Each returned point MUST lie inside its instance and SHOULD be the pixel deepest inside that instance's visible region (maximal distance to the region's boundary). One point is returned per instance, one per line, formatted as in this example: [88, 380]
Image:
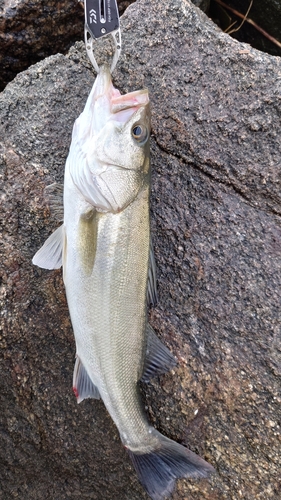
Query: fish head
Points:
[111, 144]
[126, 142]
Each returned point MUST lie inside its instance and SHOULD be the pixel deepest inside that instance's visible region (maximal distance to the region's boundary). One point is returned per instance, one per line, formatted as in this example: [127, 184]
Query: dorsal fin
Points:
[158, 357]
[152, 297]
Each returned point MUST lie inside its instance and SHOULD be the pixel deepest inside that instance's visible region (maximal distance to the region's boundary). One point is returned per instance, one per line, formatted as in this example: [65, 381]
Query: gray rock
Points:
[216, 209]
[30, 31]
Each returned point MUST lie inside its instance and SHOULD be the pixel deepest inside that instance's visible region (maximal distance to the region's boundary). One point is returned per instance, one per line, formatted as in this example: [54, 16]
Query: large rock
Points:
[216, 209]
[30, 31]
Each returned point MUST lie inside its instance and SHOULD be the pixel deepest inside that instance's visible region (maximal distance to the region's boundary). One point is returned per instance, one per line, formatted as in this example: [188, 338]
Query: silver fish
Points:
[108, 269]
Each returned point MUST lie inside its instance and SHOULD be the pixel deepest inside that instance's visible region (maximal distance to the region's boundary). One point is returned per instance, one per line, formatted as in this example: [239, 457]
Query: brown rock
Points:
[30, 31]
[216, 228]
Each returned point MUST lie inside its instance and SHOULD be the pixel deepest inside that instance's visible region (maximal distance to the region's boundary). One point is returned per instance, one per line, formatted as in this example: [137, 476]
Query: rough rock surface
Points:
[216, 208]
[30, 31]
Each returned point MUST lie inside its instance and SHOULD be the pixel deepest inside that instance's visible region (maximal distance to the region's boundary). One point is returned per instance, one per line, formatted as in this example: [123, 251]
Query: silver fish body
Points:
[104, 247]
[107, 304]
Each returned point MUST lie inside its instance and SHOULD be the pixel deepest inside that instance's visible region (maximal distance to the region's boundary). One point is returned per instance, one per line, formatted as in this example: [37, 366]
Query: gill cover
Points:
[109, 154]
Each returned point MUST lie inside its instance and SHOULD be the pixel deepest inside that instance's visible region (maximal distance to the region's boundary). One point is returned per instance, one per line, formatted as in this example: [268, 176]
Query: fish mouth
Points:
[131, 100]
[103, 84]
[122, 107]
[105, 103]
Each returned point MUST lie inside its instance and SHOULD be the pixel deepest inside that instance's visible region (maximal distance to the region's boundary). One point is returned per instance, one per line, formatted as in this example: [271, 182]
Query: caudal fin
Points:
[158, 470]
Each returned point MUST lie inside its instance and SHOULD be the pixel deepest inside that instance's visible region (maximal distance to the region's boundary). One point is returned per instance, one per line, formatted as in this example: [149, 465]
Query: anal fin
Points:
[83, 387]
[158, 357]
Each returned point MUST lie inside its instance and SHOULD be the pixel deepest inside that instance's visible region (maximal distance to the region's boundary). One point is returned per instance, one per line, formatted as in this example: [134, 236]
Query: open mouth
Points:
[131, 100]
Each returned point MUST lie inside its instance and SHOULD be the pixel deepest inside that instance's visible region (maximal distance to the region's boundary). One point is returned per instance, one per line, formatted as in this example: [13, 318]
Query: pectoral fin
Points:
[85, 180]
[50, 254]
[158, 357]
[83, 387]
[87, 239]
[54, 196]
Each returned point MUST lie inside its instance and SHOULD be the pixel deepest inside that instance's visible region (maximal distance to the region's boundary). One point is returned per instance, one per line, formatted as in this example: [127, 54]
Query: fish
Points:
[104, 246]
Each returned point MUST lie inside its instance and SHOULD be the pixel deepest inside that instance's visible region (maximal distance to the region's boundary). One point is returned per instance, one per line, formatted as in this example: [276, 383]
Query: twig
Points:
[241, 24]
[250, 21]
[230, 26]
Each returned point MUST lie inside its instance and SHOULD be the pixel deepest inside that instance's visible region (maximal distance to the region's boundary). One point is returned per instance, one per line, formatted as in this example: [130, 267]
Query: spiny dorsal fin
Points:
[83, 387]
[152, 297]
[49, 256]
[158, 357]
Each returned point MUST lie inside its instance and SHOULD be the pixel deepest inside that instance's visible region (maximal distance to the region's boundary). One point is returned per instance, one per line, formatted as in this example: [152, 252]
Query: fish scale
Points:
[113, 308]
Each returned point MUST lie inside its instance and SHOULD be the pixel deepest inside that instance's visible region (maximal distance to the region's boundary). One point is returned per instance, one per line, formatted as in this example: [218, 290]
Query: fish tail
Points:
[158, 469]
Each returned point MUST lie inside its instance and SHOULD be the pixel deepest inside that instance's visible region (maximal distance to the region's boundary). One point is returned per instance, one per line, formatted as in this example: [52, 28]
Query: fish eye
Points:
[139, 133]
